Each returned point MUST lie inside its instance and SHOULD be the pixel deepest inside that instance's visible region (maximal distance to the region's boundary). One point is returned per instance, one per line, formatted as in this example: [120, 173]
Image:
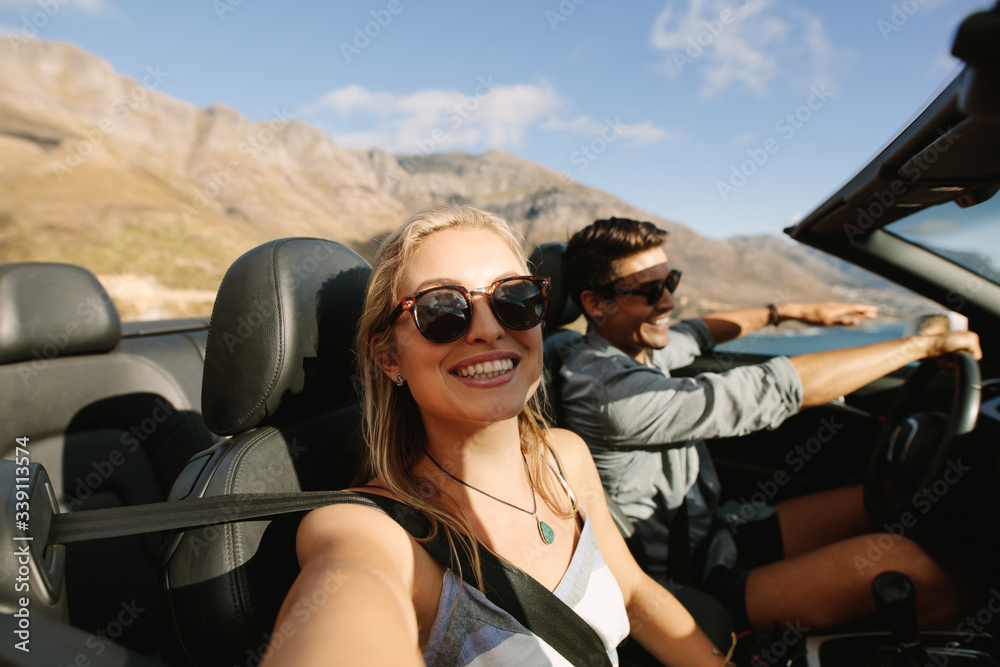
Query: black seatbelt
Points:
[524, 598]
[186, 513]
[534, 606]
[678, 549]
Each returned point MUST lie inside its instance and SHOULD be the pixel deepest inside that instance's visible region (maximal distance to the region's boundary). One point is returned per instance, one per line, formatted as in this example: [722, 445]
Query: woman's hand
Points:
[657, 620]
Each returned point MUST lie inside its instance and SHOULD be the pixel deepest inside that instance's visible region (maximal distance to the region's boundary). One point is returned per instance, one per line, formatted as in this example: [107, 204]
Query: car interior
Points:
[263, 399]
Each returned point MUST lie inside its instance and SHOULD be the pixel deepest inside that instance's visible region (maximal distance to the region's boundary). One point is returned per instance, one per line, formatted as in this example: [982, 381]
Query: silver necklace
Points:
[544, 530]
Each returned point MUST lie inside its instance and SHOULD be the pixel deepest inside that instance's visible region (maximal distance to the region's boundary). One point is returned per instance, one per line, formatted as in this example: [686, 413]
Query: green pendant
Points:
[548, 535]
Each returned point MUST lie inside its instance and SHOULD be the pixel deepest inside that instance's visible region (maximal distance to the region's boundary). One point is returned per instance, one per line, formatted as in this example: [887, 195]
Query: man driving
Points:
[789, 563]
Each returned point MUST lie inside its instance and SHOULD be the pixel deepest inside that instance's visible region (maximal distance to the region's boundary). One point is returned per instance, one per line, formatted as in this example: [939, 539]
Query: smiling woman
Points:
[455, 435]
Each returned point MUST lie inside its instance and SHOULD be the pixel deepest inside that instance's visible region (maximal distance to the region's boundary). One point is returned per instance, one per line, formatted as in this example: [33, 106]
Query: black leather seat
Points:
[112, 421]
[547, 260]
[279, 378]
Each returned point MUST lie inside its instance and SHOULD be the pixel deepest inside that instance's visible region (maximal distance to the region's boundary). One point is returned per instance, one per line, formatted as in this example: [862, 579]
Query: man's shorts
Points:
[757, 543]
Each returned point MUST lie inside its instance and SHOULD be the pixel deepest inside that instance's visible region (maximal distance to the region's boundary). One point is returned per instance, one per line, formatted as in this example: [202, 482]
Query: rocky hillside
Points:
[158, 197]
[850, 282]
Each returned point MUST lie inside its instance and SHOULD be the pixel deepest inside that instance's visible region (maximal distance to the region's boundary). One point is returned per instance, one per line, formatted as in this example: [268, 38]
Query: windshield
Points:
[969, 237]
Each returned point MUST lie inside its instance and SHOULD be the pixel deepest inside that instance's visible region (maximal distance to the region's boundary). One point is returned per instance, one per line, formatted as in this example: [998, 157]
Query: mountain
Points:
[158, 197]
[850, 282]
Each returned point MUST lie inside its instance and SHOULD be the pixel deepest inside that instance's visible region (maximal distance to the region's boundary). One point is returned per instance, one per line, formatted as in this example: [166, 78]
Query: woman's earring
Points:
[399, 379]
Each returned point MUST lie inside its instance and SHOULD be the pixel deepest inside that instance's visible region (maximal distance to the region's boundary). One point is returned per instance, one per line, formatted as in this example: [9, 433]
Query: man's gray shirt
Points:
[645, 428]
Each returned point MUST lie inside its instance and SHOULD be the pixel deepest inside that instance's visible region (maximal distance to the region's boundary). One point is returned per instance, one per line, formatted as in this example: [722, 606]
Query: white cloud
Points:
[492, 116]
[645, 133]
[744, 138]
[577, 125]
[743, 44]
[349, 99]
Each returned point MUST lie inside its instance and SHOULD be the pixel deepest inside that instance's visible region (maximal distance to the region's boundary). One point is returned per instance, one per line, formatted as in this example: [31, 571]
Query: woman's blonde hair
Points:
[392, 426]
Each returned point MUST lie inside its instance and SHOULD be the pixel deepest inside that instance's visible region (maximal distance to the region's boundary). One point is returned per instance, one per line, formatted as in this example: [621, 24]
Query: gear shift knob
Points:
[896, 599]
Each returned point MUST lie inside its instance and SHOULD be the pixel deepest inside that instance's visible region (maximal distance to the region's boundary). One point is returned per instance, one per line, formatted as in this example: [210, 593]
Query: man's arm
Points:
[726, 325]
[827, 375]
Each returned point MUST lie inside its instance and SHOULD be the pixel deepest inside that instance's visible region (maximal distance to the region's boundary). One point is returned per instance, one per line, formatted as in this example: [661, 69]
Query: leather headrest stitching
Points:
[281, 338]
[50, 310]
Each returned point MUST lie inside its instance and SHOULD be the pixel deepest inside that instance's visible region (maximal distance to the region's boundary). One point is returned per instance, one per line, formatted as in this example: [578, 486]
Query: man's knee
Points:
[878, 552]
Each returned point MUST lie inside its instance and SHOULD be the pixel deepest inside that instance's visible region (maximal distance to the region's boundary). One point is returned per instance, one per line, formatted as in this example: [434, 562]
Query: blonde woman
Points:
[450, 348]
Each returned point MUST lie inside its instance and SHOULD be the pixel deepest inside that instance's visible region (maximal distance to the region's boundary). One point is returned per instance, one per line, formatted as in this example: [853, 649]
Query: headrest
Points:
[547, 259]
[281, 340]
[54, 310]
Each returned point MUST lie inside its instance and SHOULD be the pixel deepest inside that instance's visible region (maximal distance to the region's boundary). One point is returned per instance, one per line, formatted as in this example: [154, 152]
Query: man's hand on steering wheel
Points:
[915, 448]
[947, 342]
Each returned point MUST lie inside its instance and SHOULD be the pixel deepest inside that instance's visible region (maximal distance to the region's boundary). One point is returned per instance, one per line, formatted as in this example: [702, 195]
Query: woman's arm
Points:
[658, 621]
[352, 603]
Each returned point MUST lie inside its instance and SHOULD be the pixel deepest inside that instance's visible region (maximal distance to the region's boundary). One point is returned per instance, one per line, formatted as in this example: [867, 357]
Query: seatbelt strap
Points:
[186, 513]
[678, 551]
[531, 604]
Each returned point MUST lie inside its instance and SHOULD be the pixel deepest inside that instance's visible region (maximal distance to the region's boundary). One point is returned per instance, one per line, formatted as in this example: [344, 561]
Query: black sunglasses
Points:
[653, 292]
[443, 314]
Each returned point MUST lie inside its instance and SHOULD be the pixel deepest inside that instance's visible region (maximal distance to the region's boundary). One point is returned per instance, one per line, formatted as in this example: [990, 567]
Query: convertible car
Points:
[135, 454]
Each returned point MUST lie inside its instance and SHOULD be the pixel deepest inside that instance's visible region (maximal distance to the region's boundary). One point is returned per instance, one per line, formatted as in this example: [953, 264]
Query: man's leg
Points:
[833, 585]
[818, 519]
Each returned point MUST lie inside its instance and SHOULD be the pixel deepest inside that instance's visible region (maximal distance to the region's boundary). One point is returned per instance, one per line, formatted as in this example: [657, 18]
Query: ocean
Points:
[775, 340]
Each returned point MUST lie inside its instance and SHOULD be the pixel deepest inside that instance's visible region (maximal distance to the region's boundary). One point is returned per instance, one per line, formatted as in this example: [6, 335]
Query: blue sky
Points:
[729, 116]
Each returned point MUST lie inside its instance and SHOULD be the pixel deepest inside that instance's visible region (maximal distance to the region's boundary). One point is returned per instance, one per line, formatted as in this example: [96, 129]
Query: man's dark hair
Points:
[592, 251]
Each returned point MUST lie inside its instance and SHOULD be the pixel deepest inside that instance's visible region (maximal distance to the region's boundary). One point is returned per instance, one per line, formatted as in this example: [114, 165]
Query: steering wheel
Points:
[914, 449]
